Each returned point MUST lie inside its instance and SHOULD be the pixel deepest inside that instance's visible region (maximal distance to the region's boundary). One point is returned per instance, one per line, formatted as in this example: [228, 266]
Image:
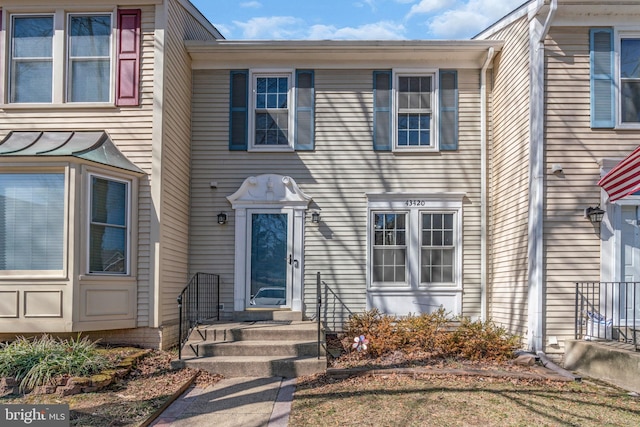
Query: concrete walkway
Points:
[242, 402]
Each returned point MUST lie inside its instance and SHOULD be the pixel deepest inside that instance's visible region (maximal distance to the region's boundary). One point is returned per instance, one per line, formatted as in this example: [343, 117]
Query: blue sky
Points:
[353, 19]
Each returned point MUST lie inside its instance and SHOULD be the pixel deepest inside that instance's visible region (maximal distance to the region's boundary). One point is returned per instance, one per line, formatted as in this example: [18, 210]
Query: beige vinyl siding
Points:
[337, 175]
[129, 128]
[509, 180]
[176, 153]
[572, 244]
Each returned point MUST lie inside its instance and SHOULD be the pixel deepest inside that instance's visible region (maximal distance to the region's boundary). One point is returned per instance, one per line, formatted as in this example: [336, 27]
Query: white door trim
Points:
[268, 192]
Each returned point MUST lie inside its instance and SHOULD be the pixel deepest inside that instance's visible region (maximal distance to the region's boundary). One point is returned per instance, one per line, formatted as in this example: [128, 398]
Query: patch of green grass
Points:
[39, 361]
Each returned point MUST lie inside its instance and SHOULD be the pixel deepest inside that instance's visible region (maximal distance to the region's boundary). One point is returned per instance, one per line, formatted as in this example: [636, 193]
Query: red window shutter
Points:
[128, 60]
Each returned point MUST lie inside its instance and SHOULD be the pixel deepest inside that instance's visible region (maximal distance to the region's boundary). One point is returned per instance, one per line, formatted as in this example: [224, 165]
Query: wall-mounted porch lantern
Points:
[315, 217]
[222, 218]
[595, 215]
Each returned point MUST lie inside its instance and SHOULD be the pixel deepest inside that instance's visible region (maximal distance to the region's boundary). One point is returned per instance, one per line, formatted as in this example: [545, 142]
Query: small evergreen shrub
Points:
[41, 360]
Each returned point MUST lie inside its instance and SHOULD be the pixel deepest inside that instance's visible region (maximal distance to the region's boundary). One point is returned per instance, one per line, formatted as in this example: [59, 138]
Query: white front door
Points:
[630, 245]
[270, 212]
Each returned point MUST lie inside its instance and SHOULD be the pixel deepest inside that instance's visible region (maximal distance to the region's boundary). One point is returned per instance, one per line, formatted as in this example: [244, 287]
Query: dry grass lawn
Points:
[392, 400]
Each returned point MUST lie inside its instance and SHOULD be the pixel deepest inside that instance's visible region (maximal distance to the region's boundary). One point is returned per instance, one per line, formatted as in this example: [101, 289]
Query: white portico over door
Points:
[269, 241]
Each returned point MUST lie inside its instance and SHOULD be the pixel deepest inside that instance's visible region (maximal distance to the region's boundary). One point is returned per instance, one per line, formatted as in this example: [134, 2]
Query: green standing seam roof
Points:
[95, 146]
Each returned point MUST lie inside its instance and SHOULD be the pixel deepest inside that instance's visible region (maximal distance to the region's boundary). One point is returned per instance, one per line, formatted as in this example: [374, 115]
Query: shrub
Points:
[481, 340]
[40, 360]
[430, 333]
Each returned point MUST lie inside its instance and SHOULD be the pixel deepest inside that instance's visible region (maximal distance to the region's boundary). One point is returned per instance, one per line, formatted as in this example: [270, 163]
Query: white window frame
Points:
[434, 140]
[253, 76]
[415, 204]
[10, 59]
[112, 54]
[619, 34]
[61, 75]
[408, 235]
[128, 233]
[58, 274]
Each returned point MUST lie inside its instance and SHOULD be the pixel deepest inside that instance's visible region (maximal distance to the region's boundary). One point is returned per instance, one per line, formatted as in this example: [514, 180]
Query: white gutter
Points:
[484, 185]
[535, 254]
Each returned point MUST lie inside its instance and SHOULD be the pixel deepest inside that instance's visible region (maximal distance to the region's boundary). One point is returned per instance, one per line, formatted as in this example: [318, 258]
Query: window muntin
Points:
[437, 248]
[108, 226]
[414, 111]
[271, 103]
[32, 221]
[31, 59]
[389, 248]
[89, 59]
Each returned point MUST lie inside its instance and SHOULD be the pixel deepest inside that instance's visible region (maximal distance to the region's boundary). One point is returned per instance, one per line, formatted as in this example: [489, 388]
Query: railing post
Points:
[576, 315]
[179, 326]
[319, 303]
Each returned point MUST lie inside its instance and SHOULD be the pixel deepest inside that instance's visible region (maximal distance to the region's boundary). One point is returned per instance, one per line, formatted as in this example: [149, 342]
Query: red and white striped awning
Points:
[624, 178]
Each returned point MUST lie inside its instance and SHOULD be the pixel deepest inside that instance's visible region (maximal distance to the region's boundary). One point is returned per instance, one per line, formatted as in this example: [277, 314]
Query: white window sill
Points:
[64, 106]
[271, 149]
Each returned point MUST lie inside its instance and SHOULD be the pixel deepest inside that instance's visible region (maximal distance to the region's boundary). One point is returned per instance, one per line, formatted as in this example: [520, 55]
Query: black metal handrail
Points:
[318, 306]
[199, 301]
[608, 311]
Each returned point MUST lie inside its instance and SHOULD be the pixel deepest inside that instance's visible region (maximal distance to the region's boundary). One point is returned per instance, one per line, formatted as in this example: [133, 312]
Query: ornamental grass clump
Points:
[39, 361]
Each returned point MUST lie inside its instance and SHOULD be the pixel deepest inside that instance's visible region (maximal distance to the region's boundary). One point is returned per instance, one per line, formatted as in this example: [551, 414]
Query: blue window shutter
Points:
[602, 81]
[382, 110]
[448, 114]
[239, 110]
[305, 110]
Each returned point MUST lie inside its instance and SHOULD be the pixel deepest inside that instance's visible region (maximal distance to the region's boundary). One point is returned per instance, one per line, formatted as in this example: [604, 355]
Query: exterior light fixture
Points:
[222, 218]
[315, 217]
[594, 214]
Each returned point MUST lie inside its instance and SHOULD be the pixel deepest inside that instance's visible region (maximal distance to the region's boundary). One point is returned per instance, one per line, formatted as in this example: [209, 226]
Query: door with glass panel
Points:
[270, 259]
[630, 256]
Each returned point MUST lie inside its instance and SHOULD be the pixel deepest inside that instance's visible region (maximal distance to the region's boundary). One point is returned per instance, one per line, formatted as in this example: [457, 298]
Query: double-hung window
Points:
[615, 78]
[89, 66]
[415, 241]
[109, 225]
[414, 114]
[415, 110]
[271, 110]
[630, 79]
[31, 58]
[66, 57]
[389, 248]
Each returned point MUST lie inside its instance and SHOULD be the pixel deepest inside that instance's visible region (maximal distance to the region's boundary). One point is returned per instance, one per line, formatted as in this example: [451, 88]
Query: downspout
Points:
[537, 34]
[484, 186]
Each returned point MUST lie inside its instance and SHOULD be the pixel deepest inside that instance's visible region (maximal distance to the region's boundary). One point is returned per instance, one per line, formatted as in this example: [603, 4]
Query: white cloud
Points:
[384, 30]
[427, 6]
[273, 27]
[470, 18]
[251, 5]
[224, 29]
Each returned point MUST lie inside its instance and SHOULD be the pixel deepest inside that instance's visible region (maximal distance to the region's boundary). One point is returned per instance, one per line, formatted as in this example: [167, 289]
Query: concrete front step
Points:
[250, 348]
[256, 366]
[260, 331]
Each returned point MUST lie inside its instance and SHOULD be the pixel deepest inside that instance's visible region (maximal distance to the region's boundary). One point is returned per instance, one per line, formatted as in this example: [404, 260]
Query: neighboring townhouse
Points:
[362, 161]
[565, 112]
[95, 166]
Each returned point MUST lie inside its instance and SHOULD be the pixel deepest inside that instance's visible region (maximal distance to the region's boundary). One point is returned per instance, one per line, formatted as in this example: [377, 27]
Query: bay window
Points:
[32, 221]
[108, 226]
